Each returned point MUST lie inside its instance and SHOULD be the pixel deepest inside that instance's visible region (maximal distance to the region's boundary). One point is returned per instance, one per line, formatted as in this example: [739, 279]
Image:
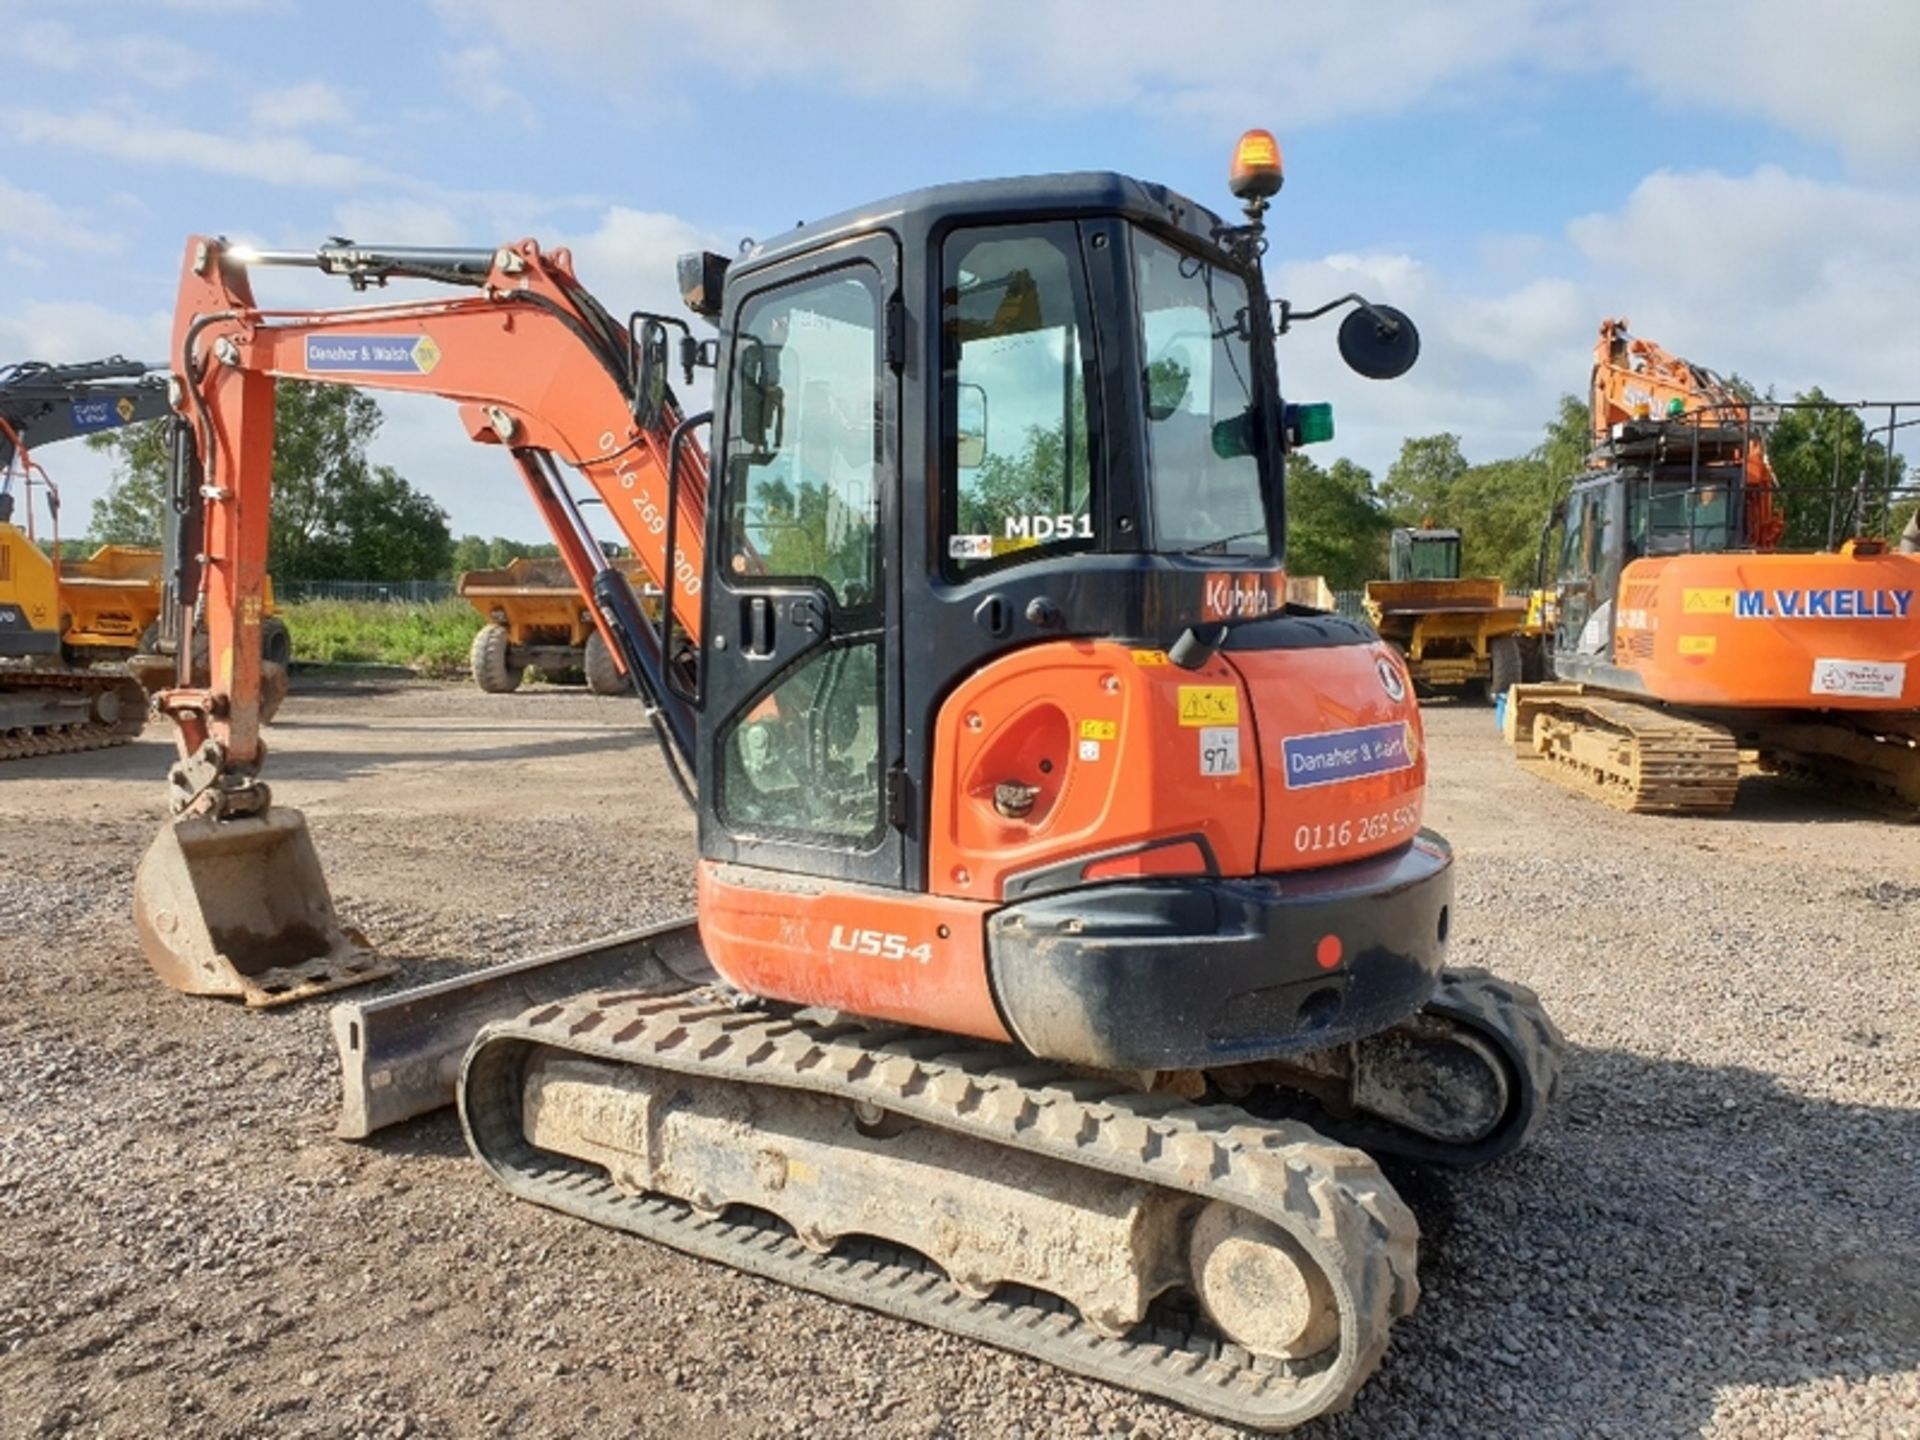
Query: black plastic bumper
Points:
[1199, 972]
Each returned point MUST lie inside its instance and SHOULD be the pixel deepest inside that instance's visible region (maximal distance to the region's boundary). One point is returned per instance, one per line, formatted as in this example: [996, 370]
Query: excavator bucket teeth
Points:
[239, 907]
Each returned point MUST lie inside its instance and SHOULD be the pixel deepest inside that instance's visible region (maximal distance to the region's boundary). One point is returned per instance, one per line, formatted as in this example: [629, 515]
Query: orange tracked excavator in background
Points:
[1065, 921]
[1700, 608]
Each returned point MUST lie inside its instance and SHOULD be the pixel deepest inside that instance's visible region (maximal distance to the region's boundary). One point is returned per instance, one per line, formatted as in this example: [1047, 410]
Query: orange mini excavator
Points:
[1065, 915]
[1701, 608]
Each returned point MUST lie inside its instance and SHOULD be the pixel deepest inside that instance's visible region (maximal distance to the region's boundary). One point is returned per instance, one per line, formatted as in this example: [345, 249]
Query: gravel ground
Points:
[1717, 1235]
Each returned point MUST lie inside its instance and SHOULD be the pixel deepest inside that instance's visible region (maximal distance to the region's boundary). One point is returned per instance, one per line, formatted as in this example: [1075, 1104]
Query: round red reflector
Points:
[1327, 952]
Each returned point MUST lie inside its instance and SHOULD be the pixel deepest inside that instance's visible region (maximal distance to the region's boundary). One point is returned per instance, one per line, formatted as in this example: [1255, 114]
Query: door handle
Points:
[759, 626]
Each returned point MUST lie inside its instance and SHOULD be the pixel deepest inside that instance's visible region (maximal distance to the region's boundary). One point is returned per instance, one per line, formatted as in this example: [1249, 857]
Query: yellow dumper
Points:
[1457, 635]
[537, 617]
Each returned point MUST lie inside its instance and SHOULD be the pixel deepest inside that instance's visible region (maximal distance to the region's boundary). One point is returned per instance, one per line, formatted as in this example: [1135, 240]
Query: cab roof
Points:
[1027, 197]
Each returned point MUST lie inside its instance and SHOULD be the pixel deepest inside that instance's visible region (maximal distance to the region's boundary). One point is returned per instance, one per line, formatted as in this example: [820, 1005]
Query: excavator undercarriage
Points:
[1194, 1249]
[1644, 758]
[49, 711]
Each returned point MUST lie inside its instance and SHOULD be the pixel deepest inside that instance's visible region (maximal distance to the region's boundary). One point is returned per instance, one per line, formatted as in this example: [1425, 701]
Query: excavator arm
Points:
[1637, 381]
[42, 404]
[230, 899]
[534, 363]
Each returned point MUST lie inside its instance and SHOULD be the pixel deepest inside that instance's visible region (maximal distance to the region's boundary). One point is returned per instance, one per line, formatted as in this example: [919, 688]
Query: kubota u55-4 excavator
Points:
[1065, 915]
[1700, 608]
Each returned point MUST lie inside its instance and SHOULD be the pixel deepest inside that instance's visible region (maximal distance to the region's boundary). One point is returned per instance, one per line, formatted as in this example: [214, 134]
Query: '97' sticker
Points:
[1220, 750]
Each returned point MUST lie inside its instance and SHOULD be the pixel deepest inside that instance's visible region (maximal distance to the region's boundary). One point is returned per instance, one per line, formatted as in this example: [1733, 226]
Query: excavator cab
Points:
[1425, 553]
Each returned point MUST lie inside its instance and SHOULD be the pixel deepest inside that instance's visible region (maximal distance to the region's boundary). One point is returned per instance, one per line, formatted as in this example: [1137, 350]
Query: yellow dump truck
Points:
[1460, 635]
[536, 617]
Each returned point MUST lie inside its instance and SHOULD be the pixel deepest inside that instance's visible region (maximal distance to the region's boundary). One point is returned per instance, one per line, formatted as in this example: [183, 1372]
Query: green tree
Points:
[1499, 506]
[1836, 480]
[334, 515]
[129, 513]
[1420, 482]
[1336, 527]
[476, 552]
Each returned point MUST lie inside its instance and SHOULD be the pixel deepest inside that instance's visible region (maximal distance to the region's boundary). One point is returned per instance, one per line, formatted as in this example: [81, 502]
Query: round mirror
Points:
[1380, 344]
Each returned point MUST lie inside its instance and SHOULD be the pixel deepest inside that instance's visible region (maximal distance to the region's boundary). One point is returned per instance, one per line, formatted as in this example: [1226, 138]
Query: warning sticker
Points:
[1089, 749]
[1706, 602]
[969, 547]
[1699, 644]
[1220, 750]
[1099, 729]
[1209, 705]
[371, 354]
[1149, 657]
[1880, 679]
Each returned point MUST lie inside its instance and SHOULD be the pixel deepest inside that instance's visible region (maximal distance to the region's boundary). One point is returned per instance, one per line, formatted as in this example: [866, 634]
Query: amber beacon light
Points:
[1256, 173]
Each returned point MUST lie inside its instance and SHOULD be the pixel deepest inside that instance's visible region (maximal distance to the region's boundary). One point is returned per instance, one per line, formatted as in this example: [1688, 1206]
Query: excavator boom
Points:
[535, 366]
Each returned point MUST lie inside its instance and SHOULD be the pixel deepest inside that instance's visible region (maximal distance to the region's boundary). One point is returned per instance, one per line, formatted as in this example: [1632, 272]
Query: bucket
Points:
[240, 908]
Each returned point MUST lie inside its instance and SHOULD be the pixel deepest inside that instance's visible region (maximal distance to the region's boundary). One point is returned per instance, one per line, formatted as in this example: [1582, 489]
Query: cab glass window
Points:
[1019, 477]
[804, 436]
[1197, 330]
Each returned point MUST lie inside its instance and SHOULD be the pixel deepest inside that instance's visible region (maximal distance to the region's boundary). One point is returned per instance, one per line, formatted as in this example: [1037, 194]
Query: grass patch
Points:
[431, 639]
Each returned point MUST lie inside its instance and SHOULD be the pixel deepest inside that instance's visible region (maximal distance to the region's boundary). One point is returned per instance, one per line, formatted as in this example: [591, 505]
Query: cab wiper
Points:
[1219, 547]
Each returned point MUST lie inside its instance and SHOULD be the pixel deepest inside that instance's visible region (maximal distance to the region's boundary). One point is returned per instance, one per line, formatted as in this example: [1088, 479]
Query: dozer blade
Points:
[400, 1054]
[239, 907]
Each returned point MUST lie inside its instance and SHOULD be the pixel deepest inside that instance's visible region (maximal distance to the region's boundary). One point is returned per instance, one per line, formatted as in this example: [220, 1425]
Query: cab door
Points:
[1589, 571]
[800, 730]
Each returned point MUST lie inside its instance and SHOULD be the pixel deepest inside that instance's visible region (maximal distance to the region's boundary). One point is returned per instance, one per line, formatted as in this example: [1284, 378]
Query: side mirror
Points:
[650, 382]
[970, 427]
[761, 403]
[1379, 342]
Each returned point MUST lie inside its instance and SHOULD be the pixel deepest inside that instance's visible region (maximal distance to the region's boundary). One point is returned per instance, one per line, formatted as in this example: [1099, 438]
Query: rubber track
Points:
[1331, 1199]
[1681, 766]
[24, 744]
[1506, 1015]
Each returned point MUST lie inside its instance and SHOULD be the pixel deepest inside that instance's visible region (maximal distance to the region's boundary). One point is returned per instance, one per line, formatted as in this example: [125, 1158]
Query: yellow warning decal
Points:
[1149, 657]
[250, 610]
[1698, 644]
[124, 408]
[1209, 705]
[1706, 602]
[1099, 729]
[426, 354]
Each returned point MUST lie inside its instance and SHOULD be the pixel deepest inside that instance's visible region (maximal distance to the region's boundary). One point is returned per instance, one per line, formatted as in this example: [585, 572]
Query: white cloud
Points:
[27, 215]
[476, 76]
[1789, 281]
[399, 221]
[299, 107]
[152, 59]
[1785, 279]
[284, 160]
[628, 259]
[70, 331]
[1321, 62]
[1843, 76]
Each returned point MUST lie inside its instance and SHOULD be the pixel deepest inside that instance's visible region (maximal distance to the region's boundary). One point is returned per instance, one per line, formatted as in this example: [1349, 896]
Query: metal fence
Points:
[398, 592]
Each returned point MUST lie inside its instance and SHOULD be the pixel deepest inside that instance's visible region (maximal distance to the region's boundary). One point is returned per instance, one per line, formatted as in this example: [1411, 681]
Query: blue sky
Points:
[1739, 179]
